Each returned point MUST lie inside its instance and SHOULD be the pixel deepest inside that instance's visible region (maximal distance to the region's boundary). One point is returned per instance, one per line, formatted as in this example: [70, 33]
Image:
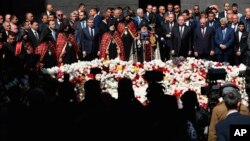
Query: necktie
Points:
[210, 24]
[82, 24]
[181, 31]
[92, 32]
[53, 34]
[36, 35]
[203, 32]
[224, 33]
[171, 26]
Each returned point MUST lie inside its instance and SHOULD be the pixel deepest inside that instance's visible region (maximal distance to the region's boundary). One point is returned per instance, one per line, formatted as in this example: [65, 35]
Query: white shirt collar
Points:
[33, 30]
[232, 111]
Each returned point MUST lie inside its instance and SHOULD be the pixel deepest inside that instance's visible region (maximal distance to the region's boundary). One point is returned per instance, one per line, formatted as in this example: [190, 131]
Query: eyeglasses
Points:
[59, 14]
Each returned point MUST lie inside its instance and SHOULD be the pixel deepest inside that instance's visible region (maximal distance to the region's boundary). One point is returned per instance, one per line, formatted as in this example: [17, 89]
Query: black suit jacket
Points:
[223, 127]
[222, 14]
[32, 38]
[182, 44]
[164, 30]
[203, 45]
[242, 44]
[90, 44]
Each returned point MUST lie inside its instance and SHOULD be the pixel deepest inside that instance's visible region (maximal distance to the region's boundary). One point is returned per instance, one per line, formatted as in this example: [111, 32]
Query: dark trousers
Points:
[223, 57]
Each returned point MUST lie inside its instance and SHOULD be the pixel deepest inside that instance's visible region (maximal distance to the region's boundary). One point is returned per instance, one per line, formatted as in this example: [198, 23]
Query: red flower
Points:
[90, 76]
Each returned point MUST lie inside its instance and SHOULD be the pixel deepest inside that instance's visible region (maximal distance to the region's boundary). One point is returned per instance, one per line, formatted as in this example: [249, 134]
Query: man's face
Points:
[171, 17]
[7, 26]
[177, 9]
[235, 19]
[1, 19]
[149, 9]
[11, 39]
[59, 15]
[50, 7]
[90, 23]
[181, 21]
[226, 6]
[27, 26]
[92, 12]
[211, 17]
[203, 22]
[108, 13]
[196, 9]
[190, 13]
[82, 8]
[140, 14]
[235, 9]
[35, 26]
[52, 24]
[162, 9]
[223, 25]
[241, 28]
[7, 17]
[15, 20]
[30, 17]
[51, 18]
[45, 19]
[185, 16]
[170, 8]
[82, 16]
[154, 10]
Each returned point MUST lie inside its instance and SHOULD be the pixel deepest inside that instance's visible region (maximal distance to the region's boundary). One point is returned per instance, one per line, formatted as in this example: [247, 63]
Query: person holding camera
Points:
[233, 117]
[220, 111]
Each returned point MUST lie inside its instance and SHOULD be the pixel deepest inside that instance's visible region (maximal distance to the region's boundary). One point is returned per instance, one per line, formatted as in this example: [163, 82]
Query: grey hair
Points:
[139, 10]
[223, 20]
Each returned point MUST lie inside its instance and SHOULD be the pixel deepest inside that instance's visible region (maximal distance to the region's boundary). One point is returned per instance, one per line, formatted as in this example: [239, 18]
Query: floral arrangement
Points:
[180, 75]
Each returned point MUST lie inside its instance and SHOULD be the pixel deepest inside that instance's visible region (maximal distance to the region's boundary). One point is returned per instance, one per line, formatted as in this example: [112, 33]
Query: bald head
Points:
[203, 22]
[181, 20]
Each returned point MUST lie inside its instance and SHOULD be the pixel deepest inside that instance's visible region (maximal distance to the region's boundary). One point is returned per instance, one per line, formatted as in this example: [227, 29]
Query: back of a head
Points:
[92, 89]
[189, 99]
[155, 91]
[232, 99]
[125, 88]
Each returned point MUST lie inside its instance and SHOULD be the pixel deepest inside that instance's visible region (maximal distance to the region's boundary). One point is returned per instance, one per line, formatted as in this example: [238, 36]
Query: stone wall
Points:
[70, 5]
[186, 4]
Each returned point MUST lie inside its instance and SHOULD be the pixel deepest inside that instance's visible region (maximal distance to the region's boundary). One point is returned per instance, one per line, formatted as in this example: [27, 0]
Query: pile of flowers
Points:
[180, 75]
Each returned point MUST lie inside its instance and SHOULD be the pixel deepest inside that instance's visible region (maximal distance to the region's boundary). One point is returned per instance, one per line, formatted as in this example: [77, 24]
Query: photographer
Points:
[220, 111]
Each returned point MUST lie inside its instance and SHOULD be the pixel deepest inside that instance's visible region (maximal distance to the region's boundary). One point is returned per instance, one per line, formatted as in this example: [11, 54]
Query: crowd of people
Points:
[34, 106]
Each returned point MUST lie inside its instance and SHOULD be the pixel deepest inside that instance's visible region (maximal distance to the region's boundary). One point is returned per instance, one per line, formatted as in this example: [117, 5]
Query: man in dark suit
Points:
[223, 14]
[166, 36]
[177, 11]
[54, 32]
[203, 41]
[224, 38]
[148, 14]
[59, 18]
[232, 102]
[79, 26]
[240, 44]
[182, 39]
[49, 10]
[34, 34]
[9, 62]
[44, 23]
[90, 41]
[97, 18]
[212, 22]
[6, 27]
[139, 17]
